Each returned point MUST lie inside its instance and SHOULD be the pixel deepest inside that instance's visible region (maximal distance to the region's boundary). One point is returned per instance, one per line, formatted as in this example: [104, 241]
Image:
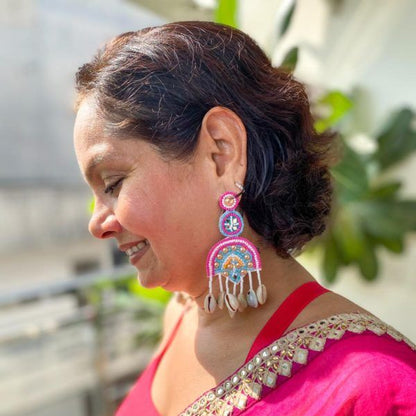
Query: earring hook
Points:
[240, 187]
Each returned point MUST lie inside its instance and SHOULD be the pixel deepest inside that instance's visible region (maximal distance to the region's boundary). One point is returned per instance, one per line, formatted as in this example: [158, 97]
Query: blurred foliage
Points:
[397, 141]
[91, 205]
[290, 60]
[128, 290]
[287, 19]
[226, 12]
[153, 295]
[337, 105]
[146, 306]
[368, 210]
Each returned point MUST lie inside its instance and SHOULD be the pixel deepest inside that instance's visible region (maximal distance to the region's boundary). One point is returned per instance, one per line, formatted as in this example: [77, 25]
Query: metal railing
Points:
[82, 341]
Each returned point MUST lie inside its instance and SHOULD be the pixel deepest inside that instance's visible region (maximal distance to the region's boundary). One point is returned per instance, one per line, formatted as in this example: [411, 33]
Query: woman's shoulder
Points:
[376, 370]
[358, 368]
[372, 349]
[355, 363]
[356, 336]
[372, 356]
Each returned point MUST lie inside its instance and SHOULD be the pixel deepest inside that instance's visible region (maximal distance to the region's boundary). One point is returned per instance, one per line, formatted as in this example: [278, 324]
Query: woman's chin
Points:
[149, 280]
[163, 277]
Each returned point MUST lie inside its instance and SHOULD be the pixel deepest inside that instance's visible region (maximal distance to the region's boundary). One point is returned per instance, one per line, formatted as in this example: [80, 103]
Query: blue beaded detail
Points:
[234, 259]
[231, 224]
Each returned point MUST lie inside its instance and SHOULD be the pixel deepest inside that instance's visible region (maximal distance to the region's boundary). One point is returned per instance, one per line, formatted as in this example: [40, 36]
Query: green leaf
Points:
[226, 12]
[378, 222]
[331, 261]
[395, 245]
[337, 105]
[287, 19]
[404, 212]
[368, 262]
[351, 177]
[385, 191]
[397, 141]
[348, 235]
[290, 60]
[389, 219]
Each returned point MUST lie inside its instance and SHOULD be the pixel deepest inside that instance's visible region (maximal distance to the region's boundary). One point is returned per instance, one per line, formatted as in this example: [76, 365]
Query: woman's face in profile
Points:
[161, 213]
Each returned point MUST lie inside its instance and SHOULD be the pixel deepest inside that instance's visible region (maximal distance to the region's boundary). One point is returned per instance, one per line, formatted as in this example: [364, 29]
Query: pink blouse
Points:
[347, 364]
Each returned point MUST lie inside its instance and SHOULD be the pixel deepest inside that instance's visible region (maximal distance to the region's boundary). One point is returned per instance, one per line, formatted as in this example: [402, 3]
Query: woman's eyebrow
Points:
[93, 163]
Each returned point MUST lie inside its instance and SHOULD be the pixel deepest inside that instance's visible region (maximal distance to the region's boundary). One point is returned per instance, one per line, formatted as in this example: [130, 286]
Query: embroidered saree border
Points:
[279, 361]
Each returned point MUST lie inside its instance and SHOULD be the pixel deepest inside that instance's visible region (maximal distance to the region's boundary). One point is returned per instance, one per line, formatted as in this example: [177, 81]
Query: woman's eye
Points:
[113, 186]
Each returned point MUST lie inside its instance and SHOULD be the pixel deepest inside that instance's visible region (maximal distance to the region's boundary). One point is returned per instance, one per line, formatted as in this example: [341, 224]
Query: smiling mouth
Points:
[135, 249]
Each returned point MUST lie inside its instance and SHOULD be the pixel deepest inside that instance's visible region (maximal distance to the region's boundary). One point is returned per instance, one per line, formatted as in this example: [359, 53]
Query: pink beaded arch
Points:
[218, 247]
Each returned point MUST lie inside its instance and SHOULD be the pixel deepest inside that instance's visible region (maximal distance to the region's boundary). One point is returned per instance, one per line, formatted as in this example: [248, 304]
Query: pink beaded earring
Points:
[233, 258]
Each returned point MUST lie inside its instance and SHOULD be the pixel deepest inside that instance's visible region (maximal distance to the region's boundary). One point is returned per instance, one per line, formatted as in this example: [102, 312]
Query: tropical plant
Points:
[369, 211]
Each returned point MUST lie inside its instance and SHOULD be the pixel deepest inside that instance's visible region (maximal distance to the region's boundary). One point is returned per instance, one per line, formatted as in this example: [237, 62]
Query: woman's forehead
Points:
[88, 125]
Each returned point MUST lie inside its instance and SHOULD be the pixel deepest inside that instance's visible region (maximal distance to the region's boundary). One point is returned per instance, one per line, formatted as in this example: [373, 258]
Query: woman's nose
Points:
[103, 223]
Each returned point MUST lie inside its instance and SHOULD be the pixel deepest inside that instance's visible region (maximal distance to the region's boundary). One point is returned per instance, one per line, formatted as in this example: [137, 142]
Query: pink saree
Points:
[347, 364]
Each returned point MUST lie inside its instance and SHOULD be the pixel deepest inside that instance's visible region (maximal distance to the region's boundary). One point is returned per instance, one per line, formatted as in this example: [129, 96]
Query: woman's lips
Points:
[136, 247]
[135, 257]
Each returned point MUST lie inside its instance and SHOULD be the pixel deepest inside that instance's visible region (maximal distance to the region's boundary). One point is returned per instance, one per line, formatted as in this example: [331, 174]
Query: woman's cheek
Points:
[129, 215]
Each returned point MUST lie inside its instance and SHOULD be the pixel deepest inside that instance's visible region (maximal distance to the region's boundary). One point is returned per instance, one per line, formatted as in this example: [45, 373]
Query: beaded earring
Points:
[233, 259]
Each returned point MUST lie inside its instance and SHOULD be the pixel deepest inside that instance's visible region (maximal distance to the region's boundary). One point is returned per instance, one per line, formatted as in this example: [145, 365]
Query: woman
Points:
[207, 171]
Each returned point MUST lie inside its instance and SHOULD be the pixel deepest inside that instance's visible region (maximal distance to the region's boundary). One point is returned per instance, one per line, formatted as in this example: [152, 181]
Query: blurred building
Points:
[44, 201]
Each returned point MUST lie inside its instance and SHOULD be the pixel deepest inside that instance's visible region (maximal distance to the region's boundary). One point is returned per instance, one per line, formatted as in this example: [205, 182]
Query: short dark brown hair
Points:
[158, 83]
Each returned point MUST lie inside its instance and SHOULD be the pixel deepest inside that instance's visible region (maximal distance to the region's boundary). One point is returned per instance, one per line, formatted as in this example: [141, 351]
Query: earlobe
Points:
[225, 138]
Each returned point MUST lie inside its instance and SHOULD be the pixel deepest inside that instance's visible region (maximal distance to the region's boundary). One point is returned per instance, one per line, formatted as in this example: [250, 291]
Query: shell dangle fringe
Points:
[233, 260]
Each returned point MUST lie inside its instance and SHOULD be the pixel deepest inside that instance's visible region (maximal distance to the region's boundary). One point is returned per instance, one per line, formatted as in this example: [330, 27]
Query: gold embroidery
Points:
[276, 360]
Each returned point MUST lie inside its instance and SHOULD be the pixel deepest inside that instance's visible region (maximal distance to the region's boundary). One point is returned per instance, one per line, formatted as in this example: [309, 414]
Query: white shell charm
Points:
[262, 294]
[252, 299]
[242, 302]
[221, 300]
[231, 303]
[210, 304]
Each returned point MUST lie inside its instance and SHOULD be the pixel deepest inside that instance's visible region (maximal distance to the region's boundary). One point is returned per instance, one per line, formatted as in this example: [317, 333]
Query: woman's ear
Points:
[223, 138]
